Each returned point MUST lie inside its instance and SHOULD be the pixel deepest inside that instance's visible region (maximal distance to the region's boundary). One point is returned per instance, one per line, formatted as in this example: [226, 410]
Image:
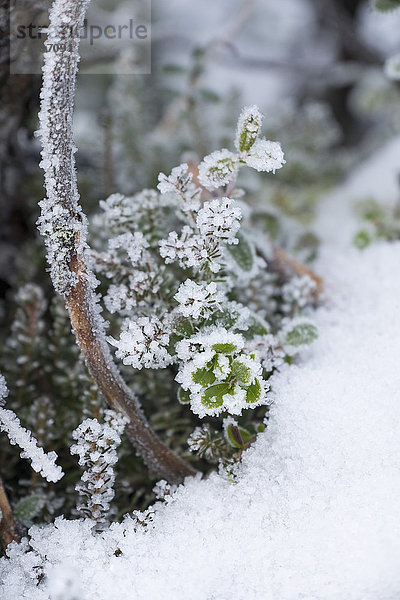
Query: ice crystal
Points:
[220, 218]
[265, 155]
[143, 344]
[218, 169]
[197, 300]
[180, 186]
[41, 462]
[96, 446]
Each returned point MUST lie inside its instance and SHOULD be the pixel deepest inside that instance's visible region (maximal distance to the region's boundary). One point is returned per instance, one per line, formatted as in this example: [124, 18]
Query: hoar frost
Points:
[40, 461]
[219, 375]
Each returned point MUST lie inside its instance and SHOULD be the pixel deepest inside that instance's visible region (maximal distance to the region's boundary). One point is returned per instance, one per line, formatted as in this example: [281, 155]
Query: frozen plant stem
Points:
[63, 225]
[8, 533]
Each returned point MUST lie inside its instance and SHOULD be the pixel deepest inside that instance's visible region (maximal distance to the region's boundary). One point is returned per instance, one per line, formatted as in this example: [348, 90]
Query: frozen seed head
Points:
[220, 218]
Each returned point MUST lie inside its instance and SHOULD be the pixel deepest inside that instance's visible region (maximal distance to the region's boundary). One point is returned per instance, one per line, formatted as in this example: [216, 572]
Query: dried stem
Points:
[8, 532]
[64, 227]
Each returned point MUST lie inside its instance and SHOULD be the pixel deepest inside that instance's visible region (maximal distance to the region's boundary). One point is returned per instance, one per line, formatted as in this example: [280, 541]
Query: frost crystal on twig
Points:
[41, 462]
[96, 446]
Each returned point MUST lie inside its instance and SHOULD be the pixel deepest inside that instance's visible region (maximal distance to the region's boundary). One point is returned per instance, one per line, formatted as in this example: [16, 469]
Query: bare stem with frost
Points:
[63, 226]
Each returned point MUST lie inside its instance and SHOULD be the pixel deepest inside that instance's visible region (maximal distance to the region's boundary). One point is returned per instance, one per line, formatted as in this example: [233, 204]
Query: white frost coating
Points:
[179, 186]
[143, 344]
[41, 462]
[96, 445]
[218, 169]
[62, 222]
[265, 155]
[248, 126]
[198, 300]
[220, 218]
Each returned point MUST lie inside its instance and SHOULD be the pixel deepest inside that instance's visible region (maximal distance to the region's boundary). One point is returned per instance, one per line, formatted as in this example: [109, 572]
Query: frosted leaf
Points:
[265, 155]
[248, 128]
[198, 300]
[143, 344]
[218, 169]
[219, 375]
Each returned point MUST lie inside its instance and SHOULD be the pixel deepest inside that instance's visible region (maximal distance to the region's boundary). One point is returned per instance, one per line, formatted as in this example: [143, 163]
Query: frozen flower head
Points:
[265, 155]
[179, 185]
[197, 300]
[133, 243]
[218, 169]
[143, 344]
[220, 219]
[248, 128]
[178, 180]
[218, 375]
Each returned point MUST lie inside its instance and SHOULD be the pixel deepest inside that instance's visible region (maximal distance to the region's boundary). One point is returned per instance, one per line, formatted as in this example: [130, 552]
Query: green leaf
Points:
[183, 396]
[257, 327]
[235, 440]
[28, 508]
[225, 348]
[268, 223]
[213, 396]
[386, 5]
[204, 377]
[241, 371]
[242, 253]
[362, 239]
[301, 334]
[253, 392]
[183, 327]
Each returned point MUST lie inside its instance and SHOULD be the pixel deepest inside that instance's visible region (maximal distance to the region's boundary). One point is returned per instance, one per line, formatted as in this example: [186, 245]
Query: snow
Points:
[314, 510]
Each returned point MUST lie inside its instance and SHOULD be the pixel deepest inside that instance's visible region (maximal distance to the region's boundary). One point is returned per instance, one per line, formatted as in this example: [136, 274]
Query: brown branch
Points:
[8, 531]
[64, 227]
[288, 266]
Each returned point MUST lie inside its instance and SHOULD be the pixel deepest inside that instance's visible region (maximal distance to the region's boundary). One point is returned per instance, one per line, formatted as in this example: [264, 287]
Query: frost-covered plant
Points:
[96, 446]
[9, 423]
[197, 257]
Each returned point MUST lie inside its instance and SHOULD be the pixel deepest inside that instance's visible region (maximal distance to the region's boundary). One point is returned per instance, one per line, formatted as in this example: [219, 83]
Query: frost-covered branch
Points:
[63, 225]
[41, 462]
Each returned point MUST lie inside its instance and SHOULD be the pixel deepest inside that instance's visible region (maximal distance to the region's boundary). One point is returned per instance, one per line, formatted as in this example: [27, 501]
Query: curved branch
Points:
[63, 225]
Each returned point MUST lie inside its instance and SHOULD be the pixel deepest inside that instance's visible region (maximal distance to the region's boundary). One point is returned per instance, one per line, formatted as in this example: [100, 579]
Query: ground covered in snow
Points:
[315, 511]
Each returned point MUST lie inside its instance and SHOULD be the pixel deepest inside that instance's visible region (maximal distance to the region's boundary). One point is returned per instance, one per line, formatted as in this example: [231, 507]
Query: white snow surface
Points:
[315, 511]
